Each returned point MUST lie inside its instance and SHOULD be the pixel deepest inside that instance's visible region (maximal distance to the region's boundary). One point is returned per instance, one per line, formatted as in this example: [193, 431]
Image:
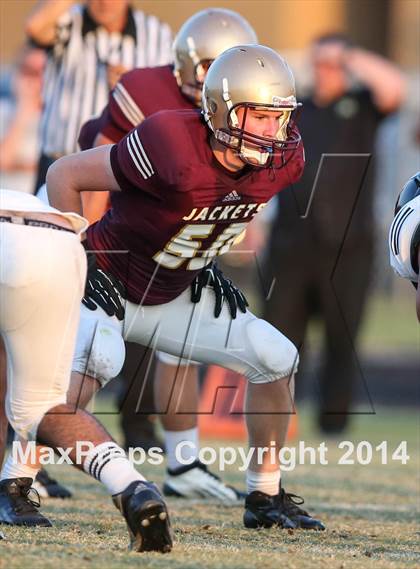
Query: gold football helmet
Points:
[250, 77]
[201, 39]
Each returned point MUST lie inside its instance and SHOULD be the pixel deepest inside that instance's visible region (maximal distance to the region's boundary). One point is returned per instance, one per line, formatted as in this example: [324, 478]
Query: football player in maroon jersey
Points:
[172, 181]
[139, 94]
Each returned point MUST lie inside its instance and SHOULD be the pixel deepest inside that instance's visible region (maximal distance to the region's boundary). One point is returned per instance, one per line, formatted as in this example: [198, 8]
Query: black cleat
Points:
[146, 515]
[16, 508]
[282, 510]
[289, 505]
[47, 487]
[263, 511]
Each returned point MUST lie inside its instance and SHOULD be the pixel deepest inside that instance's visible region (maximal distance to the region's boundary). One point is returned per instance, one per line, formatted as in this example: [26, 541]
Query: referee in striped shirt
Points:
[89, 46]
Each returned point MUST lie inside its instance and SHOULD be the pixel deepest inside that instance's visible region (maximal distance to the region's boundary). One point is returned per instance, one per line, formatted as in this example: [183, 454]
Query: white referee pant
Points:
[42, 275]
[247, 345]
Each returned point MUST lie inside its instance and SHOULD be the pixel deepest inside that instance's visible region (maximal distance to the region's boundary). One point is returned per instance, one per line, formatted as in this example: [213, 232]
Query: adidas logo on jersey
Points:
[232, 197]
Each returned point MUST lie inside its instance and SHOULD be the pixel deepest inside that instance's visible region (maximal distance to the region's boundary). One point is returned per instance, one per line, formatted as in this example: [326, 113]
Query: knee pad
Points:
[100, 350]
[277, 356]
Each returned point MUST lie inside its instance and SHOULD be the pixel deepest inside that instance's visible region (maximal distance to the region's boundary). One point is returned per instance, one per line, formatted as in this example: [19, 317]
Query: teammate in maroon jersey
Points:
[139, 94]
[143, 92]
[171, 178]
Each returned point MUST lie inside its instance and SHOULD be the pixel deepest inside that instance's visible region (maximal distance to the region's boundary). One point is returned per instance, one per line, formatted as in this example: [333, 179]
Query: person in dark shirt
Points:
[321, 243]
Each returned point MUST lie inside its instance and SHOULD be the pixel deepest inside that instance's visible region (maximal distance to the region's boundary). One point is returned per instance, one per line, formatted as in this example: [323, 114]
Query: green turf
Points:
[371, 513]
[390, 328]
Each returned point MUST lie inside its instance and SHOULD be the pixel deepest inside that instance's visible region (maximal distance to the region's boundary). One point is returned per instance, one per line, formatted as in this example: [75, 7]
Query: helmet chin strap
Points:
[253, 155]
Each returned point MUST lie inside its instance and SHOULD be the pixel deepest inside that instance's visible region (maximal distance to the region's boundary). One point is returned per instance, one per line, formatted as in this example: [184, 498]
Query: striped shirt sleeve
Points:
[123, 110]
[133, 165]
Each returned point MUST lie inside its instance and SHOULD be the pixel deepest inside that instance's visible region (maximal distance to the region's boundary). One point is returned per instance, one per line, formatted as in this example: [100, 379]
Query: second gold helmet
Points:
[201, 39]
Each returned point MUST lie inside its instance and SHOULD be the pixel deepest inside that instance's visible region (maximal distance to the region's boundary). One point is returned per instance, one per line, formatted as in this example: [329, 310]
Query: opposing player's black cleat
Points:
[146, 515]
[282, 510]
[48, 487]
[16, 507]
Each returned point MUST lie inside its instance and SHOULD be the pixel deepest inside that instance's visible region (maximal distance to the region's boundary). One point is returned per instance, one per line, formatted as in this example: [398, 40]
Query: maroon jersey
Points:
[178, 207]
[137, 95]
[91, 129]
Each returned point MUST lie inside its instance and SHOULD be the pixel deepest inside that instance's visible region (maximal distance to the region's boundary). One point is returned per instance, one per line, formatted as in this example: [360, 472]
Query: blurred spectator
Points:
[20, 116]
[88, 47]
[353, 90]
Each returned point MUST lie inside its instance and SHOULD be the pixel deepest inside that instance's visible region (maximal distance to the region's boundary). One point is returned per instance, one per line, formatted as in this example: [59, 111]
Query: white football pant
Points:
[247, 345]
[42, 276]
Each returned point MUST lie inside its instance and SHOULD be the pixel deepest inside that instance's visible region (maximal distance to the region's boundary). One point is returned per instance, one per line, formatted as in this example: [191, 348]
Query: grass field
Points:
[371, 513]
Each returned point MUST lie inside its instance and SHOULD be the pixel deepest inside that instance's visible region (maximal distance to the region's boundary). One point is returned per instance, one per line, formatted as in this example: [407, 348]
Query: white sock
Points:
[108, 463]
[12, 469]
[267, 482]
[176, 454]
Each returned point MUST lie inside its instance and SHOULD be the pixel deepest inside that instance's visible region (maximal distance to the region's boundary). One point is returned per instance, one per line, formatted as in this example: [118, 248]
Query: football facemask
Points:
[255, 149]
[251, 78]
[192, 90]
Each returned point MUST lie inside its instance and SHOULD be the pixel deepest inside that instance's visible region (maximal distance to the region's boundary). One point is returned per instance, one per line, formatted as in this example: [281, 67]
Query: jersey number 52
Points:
[187, 244]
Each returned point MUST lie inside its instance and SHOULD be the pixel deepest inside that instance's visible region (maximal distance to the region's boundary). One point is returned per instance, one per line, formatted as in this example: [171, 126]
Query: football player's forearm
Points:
[62, 189]
[88, 171]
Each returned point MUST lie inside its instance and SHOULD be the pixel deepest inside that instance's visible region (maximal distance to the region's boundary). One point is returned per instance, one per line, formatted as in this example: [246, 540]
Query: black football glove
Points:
[102, 289]
[223, 287]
